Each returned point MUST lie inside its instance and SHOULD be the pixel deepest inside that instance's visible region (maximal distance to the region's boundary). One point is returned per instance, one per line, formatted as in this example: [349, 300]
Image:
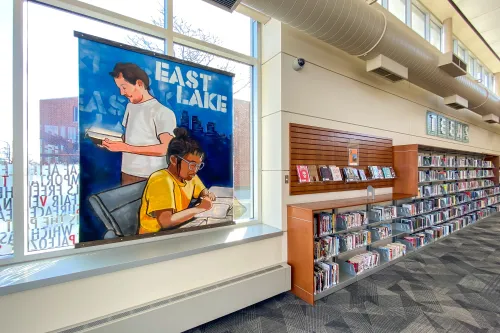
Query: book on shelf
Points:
[355, 240]
[387, 172]
[324, 224]
[380, 172]
[393, 173]
[362, 174]
[326, 275]
[393, 250]
[336, 173]
[313, 173]
[345, 221]
[325, 173]
[375, 173]
[364, 261]
[326, 247]
[303, 173]
[351, 174]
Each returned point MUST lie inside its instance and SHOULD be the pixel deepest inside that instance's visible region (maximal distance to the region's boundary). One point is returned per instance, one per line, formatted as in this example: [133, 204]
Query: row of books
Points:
[346, 221]
[364, 261]
[393, 250]
[425, 160]
[492, 200]
[493, 191]
[355, 240]
[324, 224]
[429, 235]
[381, 213]
[326, 247]
[313, 173]
[449, 188]
[326, 275]
[377, 172]
[424, 206]
[383, 231]
[428, 220]
[434, 175]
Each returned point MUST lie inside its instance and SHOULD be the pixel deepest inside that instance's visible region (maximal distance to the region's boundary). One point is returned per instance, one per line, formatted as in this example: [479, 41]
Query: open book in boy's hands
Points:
[97, 135]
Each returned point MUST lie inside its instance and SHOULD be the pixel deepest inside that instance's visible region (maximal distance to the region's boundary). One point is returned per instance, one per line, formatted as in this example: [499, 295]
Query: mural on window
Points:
[155, 143]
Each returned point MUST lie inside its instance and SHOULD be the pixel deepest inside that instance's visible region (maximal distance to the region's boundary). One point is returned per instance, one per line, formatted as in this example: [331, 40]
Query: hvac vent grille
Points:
[388, 75]
[158, 304]
[457, 61]
[455, 106]
[229, 5]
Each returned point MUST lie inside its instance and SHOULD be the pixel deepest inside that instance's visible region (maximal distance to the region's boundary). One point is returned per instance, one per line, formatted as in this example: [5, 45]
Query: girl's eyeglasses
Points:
[193, 166]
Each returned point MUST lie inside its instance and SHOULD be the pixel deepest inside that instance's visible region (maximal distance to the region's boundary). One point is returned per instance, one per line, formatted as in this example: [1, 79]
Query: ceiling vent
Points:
[491, 119]
[456, 102]
[452, 64]
[228, 5]
[387, 68]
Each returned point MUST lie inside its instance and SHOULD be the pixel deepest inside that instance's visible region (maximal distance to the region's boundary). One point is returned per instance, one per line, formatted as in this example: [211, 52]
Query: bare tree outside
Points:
[190, 54]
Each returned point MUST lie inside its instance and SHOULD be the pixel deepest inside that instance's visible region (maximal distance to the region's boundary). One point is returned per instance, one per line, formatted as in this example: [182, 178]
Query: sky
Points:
[53, 50]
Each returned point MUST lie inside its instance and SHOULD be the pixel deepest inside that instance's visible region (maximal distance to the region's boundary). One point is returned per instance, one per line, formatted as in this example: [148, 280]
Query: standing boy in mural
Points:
[168, 193]
[149, 126]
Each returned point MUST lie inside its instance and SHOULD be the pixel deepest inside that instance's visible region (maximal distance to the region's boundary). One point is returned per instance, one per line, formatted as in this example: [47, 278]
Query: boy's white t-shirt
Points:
[144, 122]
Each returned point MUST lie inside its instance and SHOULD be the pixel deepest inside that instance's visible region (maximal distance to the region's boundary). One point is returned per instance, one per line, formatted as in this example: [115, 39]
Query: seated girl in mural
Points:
[169, 191]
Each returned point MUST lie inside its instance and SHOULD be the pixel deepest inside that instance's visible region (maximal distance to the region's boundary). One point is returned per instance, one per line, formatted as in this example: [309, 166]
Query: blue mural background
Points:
[100, 104]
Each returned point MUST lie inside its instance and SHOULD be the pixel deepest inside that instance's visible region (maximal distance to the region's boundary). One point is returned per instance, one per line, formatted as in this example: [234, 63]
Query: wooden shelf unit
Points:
[300, 220]
[300, 236]
[406, 165]
[311, 145]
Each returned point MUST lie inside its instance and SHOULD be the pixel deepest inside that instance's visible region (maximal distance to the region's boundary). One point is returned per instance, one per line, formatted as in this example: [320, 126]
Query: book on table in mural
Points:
[152, 126]
[446, 128]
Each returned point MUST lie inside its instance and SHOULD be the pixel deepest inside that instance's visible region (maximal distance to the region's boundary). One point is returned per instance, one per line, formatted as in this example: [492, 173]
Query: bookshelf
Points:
[418, 221]
[408, 169]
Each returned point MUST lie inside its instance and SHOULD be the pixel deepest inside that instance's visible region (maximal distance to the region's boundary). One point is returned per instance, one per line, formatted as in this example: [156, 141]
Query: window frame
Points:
[20, 140]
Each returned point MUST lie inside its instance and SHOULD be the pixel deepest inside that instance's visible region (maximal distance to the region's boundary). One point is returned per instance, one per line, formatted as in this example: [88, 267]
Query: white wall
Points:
[334, 91]
[57, 306]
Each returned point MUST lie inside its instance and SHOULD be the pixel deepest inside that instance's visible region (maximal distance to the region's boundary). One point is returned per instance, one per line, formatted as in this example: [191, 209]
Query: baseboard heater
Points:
[194, 307]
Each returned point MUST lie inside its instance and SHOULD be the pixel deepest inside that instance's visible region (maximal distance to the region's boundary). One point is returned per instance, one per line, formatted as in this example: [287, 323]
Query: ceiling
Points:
[484, 15]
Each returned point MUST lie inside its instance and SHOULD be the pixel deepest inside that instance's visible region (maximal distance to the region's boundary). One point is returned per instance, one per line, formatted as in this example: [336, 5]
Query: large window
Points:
[418, 19]
[398, 8]
[436, 35]
[212, 25]
[52, 198]
[6, 134]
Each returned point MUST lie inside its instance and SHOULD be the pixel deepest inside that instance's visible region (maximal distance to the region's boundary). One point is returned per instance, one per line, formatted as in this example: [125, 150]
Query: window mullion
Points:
[169, 19]
[19, 138]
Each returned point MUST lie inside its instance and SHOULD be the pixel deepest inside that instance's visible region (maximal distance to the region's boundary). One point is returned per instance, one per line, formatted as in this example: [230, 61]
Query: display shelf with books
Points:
[339, 160]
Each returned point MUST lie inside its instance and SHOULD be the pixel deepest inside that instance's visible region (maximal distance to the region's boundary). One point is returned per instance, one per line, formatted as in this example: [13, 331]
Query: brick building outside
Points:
[59, 130]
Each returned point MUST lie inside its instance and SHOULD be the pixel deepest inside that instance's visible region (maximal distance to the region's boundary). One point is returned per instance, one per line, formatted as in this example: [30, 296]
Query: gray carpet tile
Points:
[451, 286]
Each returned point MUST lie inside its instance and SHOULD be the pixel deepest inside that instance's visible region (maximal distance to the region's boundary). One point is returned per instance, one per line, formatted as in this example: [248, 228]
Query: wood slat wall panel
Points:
[321, 146]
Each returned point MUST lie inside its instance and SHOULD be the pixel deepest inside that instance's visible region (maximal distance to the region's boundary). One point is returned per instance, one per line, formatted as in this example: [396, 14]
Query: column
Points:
[448, 35]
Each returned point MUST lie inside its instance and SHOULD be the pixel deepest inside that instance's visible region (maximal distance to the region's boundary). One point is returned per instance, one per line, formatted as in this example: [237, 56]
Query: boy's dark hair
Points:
[182, 144]
[131, 73]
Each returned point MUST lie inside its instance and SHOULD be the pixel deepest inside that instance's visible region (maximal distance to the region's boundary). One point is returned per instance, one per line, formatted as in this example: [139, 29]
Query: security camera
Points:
[298, 64]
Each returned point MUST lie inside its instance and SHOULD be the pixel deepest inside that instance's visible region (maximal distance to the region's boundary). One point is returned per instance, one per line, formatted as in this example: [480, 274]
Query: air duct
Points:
[362, 30]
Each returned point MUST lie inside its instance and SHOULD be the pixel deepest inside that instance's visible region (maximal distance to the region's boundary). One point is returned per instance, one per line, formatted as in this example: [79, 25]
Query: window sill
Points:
[25, 276]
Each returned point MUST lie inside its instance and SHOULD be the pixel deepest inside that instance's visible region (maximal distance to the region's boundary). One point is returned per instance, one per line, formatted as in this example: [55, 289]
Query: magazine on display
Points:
[303, 173]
